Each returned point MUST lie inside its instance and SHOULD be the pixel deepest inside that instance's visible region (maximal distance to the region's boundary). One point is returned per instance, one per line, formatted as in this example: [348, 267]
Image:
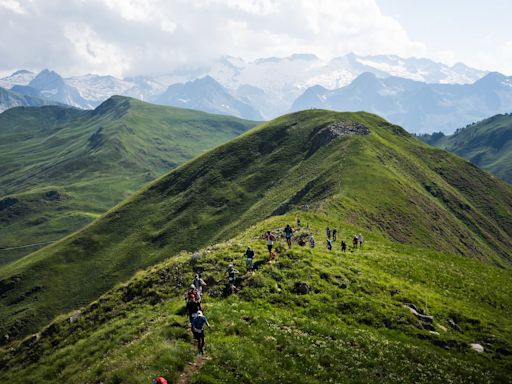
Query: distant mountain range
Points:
[421, 107]
[422, 95]
[487, 144]
[10, 99]
[206, 94]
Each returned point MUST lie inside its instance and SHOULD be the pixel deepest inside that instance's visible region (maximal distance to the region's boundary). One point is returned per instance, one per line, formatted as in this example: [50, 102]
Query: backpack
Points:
[192, 295]
[159, 380]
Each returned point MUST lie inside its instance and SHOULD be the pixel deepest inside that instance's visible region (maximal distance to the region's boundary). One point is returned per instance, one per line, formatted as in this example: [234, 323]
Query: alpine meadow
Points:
[256, 192]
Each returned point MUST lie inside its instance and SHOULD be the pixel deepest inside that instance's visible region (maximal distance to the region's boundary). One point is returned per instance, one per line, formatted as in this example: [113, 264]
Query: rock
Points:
[434, 333]
[454, 325]
[442, 328]
[301, 288]
[477, 347]
[425, 318]
[196, 255]
[429, 327]
[75, 316]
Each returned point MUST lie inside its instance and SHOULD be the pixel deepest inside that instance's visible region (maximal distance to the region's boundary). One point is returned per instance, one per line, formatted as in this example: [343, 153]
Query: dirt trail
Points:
[191, 369]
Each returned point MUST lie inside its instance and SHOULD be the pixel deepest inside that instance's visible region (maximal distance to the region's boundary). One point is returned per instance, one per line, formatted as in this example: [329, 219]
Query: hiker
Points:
[329, 244]
[360, 240]
[288, 232]
[298, 221]
[231, 271]
[328, 232]
[343, 246]
[199, 283]
[192, 308]
[249, 254]
[312, 241]
[192, 294]
[355, 241]
[270, 242]
[159, 380]
[334, 234]
[198, 330]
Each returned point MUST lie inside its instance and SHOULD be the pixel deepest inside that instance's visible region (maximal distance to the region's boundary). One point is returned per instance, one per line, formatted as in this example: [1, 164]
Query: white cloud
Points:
[153, 36]
[12, 5]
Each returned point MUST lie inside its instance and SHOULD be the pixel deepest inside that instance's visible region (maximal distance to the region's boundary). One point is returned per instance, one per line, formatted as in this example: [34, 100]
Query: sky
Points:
[149, 37]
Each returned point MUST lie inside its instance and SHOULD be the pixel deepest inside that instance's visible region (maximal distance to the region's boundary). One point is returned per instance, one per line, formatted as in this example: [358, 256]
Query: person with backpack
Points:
[199, 283]
[192, 294]
[312, 241]
[270, 242]
[159, 380]
[198, 330]
[231, 272]
[328, 232]
[355, 241]
[360, 240]
[343, 246]
[192, 308]
[329, 244]
[249, 254]
[288, 232]
[334, 234]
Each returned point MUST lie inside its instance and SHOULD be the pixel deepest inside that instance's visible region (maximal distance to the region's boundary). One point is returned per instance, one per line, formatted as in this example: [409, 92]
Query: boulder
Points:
[477, 347]
[454, 325]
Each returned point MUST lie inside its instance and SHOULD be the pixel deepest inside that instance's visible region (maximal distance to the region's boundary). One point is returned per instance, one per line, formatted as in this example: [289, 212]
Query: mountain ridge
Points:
[413, 194]
[90, 160]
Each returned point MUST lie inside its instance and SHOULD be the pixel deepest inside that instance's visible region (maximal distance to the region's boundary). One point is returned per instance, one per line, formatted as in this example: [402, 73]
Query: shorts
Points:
[269, 246]
[198, 335]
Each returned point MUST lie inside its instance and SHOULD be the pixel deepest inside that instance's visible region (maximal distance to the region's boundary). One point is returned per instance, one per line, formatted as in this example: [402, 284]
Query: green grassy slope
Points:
[386, 181]
[61, 167]
[487, 144]
[352, 326]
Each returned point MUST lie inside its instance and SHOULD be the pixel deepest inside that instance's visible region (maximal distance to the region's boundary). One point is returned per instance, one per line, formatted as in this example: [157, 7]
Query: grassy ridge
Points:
[88, 161]
[487, 144]
[351, 327]
[386, 182]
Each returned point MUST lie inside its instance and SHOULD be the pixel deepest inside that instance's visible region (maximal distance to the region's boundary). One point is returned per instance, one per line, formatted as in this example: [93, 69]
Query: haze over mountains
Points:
[266, 88]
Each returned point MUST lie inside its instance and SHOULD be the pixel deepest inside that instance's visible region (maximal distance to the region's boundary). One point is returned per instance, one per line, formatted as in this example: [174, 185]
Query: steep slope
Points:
[311, 316]
[417, 106]
[370, 173]
[206, 95]
[10, 99]
[61, 168]
[487, 144]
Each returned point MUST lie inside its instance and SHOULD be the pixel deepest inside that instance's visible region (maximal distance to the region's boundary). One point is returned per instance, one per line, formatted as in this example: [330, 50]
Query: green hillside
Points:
[353, 166]
[487, 144]
[351, 323]
[63, 167]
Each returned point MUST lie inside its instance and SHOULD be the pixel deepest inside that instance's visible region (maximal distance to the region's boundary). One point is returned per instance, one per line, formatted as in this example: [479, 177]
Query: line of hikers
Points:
[193, 297]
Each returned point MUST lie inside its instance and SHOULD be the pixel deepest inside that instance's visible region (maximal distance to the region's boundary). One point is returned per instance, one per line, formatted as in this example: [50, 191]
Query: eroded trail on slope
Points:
[191, 369]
